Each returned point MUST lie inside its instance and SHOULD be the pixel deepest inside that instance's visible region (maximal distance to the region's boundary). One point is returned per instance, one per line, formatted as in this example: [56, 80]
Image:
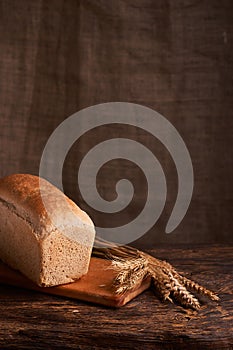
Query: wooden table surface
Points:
[31, 320]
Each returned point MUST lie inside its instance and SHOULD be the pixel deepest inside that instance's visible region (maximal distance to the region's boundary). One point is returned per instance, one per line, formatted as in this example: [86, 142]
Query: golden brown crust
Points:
[22, 192]
[43, 233]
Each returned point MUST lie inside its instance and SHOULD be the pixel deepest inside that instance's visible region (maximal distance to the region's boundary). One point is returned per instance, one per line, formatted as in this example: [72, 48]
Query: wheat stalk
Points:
[133, 266]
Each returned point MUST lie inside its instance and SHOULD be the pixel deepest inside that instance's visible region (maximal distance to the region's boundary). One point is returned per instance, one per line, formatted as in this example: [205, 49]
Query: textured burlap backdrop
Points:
[57, 57]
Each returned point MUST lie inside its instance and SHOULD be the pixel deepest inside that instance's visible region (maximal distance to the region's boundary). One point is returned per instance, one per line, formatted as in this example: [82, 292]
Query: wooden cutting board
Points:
[94, 287]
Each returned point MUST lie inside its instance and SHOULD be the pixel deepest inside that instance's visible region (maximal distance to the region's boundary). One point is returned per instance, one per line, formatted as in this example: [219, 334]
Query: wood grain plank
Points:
[39, 321]
[95, 286]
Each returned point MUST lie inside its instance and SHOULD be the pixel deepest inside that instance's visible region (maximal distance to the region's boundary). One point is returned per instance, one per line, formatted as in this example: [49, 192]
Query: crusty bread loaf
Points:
[50, 244]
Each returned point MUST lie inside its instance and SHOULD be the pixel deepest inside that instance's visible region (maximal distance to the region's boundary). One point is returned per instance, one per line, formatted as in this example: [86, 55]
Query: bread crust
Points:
[24, 192]
[61, 235]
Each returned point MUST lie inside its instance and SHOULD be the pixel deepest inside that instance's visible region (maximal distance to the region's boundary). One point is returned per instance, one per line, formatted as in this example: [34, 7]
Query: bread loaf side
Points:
[46, 237]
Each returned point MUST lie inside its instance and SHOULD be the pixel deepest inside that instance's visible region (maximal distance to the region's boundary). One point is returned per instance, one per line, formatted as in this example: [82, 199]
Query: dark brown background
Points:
[57, 57]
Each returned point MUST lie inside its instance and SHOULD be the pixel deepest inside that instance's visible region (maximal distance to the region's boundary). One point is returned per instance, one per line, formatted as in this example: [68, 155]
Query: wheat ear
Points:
[132, 266]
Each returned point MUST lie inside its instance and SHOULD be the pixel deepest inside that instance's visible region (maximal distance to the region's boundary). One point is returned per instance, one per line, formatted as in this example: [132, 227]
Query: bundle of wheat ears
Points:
[133, 266]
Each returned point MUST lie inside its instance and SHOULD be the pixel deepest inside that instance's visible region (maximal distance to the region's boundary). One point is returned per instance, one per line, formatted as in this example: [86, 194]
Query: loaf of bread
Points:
[47, 238]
